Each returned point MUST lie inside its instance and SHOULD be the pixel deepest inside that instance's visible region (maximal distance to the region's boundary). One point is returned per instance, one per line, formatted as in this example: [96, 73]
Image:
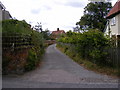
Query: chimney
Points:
[57, 29]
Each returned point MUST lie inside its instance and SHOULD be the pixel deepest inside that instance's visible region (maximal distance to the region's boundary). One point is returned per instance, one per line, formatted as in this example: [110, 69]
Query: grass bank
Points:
[87, 64]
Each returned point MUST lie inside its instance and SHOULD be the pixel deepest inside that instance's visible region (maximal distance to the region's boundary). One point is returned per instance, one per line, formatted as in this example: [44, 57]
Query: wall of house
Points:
[107, 29]
[114, 28]
[0, 14]
[119, 24]
[6, 15]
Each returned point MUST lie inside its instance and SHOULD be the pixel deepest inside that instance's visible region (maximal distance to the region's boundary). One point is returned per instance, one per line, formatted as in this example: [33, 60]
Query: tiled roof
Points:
[115, 10]
[58, 32]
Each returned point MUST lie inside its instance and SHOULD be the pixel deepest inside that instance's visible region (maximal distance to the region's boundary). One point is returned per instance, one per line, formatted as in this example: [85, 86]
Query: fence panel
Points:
[16, 41]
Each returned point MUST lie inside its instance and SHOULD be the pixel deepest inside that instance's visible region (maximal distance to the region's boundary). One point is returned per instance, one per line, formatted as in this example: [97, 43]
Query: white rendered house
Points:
[113, 24]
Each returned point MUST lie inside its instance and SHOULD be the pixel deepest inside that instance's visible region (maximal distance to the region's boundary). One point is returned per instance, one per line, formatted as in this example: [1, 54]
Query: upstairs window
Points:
[113, 21]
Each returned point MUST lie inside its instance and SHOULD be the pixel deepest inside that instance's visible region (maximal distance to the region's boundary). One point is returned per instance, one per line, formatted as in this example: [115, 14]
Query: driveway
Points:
[59, 71]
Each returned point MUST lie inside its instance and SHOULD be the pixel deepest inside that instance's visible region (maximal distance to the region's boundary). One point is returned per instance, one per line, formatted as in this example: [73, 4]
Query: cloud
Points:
[41, 9]
[35, 11]
[72, 3]
[51, 13]
[75, 4]
[45, 7]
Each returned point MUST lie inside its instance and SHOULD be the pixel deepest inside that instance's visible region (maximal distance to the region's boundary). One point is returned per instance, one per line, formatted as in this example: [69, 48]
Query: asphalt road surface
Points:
[59, 71]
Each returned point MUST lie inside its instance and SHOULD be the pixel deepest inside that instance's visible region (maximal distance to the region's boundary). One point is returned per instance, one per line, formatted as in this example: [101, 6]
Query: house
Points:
[56, 34]
[4, 14]
[113, 24]
[2, 7]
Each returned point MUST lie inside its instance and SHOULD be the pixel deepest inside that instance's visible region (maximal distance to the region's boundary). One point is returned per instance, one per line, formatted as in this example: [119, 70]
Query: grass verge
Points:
[89, 65]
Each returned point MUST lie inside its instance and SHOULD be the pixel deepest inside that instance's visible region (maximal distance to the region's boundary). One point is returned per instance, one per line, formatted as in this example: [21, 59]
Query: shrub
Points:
[90, 45]
[93, 45]
[32, 60]
[15, 29]
[15, 26]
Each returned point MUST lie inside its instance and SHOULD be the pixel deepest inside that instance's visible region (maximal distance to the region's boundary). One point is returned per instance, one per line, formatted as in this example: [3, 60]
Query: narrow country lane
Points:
[59, 71]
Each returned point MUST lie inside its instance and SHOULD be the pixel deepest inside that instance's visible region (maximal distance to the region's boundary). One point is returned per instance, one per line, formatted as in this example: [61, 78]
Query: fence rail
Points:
[16, 41]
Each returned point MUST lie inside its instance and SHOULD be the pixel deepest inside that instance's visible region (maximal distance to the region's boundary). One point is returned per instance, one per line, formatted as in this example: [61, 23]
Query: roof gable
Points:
[115, 10]
[58, 32]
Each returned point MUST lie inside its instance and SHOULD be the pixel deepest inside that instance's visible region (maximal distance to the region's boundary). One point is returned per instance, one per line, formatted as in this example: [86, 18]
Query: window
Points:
[113, 21]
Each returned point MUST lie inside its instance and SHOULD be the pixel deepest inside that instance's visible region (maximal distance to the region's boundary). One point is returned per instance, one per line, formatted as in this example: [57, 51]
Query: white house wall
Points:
[107, 29]
[119, 24]
[114, 28]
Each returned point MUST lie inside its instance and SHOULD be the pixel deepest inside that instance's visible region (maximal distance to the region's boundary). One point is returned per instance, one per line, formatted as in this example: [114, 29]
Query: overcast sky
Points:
[52, 14]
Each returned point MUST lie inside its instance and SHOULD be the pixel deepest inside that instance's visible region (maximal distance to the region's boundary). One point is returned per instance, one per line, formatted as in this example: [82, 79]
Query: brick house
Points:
[56, 34]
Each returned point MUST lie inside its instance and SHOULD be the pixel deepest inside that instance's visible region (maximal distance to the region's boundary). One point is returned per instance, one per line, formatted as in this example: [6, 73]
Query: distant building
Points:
[113, 24]
[4, 15]
[56, 34]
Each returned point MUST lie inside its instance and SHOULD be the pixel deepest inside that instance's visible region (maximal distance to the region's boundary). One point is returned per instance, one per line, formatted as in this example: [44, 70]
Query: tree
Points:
[38, 27]
[76, 29]
[95, 16]
[46, 34]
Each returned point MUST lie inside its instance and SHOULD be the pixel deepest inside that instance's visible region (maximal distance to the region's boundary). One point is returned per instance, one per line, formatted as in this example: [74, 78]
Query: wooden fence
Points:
[50, 42]
[114, 56]
[16, 41]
